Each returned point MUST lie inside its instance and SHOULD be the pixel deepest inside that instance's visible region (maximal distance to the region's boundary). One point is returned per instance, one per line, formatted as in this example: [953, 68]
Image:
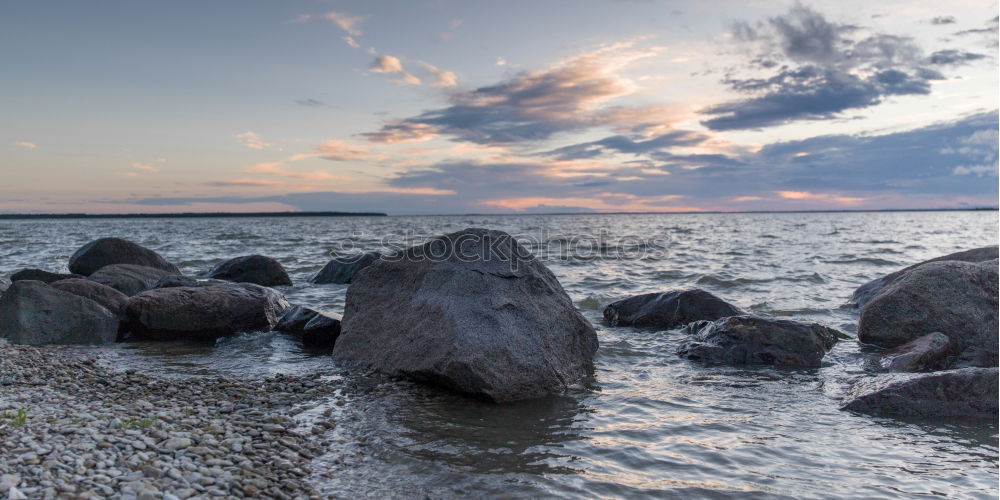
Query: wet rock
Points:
[176, 280]
[929, 352]
[472, 311]
[865, 292]
[669, 309]
[321, 331]
[41, 275]
[111, 299]
[3, 286]
[205, 312]
[34, 313]
[966, 392]
[257, 269]
[342, 269]
[294, 321]
[128, 278]
[107, 251]
[958, 298]
[755, 340]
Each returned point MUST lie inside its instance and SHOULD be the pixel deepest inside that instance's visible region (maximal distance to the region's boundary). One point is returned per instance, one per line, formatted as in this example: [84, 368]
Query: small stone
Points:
[177, 443]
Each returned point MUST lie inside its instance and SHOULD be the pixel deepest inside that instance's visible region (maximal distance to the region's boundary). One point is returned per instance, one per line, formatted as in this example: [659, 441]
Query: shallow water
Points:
[649, 424]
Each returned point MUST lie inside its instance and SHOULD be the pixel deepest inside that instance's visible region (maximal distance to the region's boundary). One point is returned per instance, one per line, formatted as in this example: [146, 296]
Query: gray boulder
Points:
[865, 292]
[957, 298]
[754, 340]
[257, 269]
[107, 251]
[321, 331]
[34, 313]
[205, 312]
[294, 321]
[41, 275]
[341, 270]
[926, 353]
[111, 299]
[472, 311]
[3, 285]
[669, 309]
[176, 280]
[967, 392]
[128, 278]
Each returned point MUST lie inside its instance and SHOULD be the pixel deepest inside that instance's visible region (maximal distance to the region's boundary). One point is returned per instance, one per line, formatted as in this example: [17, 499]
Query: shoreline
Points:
[73, 428]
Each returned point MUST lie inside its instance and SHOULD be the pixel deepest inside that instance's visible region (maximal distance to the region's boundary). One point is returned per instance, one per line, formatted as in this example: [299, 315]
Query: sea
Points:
[648, 424]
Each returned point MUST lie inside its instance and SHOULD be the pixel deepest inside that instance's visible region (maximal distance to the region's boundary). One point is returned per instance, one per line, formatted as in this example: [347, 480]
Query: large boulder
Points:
[41, 275]
[128, 278]
[926, 353]
[472, 311]
[107, 251]
[111, 299]
[34, 313]
[967, 392]
[956, 298]
[313, 327]
[257, 269]
[669, 309]
[176, 280]
[755, 340]
[865, 292]
[341, 270]
[205, 312]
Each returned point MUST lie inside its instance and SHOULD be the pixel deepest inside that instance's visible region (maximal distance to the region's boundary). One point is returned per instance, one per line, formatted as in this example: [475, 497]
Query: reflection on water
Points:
[648, 424]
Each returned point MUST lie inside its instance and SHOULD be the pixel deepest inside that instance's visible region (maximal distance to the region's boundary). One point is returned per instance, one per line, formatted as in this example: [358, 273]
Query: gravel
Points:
[72, 427]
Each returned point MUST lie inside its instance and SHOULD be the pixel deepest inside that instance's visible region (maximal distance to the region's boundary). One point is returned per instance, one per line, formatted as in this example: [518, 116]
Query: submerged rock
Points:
[956, 298]
[34, 313]
[315, 328]
[41, 275]
[967, 392]
[294, 321]
[107, 251]
[929, 352]
[342, 269]
[257, 269]
[472, 311]
[127, 278]
[669, 309]
[111, 299]
[206, 312]
[754, 340]
[865, 292]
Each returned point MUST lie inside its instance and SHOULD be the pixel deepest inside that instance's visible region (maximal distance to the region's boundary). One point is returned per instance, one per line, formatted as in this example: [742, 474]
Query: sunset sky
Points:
[435, 107]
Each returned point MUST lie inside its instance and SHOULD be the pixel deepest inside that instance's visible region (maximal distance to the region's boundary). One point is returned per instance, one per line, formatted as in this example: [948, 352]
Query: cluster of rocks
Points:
[151, 438]
[119, 289]
[936, 319]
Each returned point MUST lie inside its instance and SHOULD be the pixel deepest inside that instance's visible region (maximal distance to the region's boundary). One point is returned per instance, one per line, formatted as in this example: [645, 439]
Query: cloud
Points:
[251, 140]
[631, 145]
[532, 106]
[990, 29]
[501, 61]
[351, 42]
[143, 167]
[806, 195]
[349, 23]
[339, 151]
[977, 170]
[954, 57]
[26, 144]
[440, 77]
[278, 169]
[393, 66]
[252, 183]
[310, 103]
[943, 20]
[817, 69]
[396, 133]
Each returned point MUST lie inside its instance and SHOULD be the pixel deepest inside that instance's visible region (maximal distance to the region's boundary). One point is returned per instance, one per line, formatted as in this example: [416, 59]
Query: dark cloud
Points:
[818, 69]
[943, 20]
[954, 57]
[625, 144]
[990, 29]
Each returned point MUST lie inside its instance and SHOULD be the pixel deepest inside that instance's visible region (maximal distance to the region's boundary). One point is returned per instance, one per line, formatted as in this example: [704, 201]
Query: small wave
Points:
[865, 260]
[709, 279]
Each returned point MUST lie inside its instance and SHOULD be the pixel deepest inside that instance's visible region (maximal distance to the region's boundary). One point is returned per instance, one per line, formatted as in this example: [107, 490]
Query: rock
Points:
[206, 312]
[472, 311]
[321, 331]
[754, 340]
[865, 292]
[40, 275]
[669, 309]
[256, 269]
[128, 278]
[107, 251]
[177, 443]
[34, 313]
[3, 286]
[176, 280]
[294, 321]
[925, 353]
[966, 392]
[111, 299]
[15, 494]
[342, 269]
[958, 298]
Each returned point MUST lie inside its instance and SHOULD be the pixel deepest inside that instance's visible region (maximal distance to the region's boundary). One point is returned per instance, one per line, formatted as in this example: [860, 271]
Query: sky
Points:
[452, 107]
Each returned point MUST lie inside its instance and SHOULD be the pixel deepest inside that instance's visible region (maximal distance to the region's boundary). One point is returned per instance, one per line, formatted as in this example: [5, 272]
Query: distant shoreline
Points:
[204, 215]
